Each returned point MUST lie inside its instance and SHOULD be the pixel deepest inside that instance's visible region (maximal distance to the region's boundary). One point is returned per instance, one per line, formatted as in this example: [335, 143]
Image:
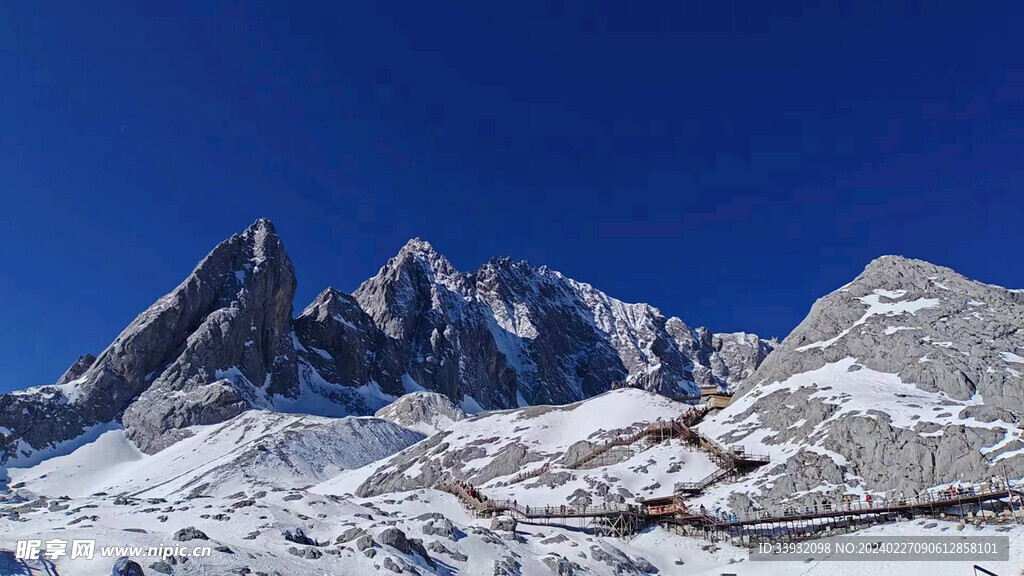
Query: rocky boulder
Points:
[506, 523]
[123, 566]
[190, 533]
[425, 412]
[76, 370]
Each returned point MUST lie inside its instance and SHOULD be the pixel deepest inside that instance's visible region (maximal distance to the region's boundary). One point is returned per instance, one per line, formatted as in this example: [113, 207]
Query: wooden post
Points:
[1009, 493]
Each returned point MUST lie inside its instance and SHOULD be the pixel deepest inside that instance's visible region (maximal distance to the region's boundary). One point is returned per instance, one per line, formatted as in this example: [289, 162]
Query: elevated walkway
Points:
[646, 437]
[623, 520]
[733, 462]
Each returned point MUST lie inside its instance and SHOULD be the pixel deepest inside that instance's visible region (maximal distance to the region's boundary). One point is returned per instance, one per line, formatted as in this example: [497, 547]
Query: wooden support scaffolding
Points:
[624, 520]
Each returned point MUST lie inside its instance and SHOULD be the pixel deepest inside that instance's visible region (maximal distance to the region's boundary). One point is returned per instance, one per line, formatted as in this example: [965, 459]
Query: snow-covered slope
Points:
[256, 450]
[361, 538]
[492, 449]
[272, 477]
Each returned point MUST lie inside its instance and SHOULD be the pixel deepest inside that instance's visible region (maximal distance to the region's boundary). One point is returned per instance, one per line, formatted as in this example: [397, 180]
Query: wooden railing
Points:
[672, 428]
[933, 501]
[936, 498]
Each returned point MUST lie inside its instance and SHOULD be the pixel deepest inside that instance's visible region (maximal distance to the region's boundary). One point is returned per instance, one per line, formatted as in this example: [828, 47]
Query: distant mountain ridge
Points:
[226, 341]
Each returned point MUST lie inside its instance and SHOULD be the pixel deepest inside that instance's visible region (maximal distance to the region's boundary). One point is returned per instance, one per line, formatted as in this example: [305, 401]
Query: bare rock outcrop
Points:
[425, 412]
[909, 376]
[75, 371]
[217, 344]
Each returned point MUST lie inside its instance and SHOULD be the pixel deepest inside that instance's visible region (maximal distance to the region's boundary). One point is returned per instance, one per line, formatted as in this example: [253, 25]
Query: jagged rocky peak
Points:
[215, 345]
[421, 301]
[329, 303]
[225, 341]
[232, 317]
[424, 412]
[533, 335]
[408, 285]
[338, 340]
[75, 371]
[910, 363]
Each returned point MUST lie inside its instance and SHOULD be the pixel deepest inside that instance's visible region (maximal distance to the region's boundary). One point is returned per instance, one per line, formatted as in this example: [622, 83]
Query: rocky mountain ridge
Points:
[225, 341]
[910, 367]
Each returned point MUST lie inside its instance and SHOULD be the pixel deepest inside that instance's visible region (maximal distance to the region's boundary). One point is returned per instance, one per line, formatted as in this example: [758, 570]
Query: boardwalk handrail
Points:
[729, 459]
[678, 427]
[926, 499]
[524, 511]
[703, 483]
[679, 513]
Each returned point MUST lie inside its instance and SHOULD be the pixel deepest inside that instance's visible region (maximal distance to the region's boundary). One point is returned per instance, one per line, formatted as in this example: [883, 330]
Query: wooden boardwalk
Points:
[732, 462]
[794, 524]
[624, 520]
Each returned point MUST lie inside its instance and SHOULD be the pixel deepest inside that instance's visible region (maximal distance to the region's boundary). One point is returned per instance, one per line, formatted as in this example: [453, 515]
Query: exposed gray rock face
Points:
[343, 345]
[216, 345]
[77, 369]
[734, 357]
[231, 321]
[425, 412]
[224, 341]
[394, 479]
[908, 377]
[511, 334]
[419, 299]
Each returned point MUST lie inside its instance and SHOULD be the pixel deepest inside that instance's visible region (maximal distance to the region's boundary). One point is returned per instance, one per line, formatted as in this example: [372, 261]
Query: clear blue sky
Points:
[726, 162]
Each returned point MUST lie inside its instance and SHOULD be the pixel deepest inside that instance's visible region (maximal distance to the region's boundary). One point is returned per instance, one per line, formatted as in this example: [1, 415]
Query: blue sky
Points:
[727, 162]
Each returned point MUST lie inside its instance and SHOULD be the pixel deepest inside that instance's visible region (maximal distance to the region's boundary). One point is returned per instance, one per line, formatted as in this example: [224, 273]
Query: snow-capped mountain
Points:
[216, 345]
[225, 341]
[909, 376]
[218, 418]
[513, 335]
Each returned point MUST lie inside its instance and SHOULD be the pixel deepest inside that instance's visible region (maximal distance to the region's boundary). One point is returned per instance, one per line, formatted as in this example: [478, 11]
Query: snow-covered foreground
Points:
[248, 483]
[247, 532]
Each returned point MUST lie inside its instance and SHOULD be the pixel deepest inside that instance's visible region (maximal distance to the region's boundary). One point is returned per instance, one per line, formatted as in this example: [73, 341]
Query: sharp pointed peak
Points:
[417, 249]
[332, 293]
[419, 246]
[262, 225]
